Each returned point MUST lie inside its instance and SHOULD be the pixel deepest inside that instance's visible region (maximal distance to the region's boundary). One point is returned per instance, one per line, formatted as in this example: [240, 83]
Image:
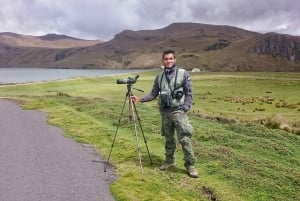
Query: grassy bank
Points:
[244, 160]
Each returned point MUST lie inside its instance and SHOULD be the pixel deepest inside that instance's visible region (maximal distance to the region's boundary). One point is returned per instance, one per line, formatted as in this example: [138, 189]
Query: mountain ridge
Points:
[51, 40]
[204, 46]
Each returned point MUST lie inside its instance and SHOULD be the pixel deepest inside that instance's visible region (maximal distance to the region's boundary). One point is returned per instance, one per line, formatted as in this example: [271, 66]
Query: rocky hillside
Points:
[46, 41]
[208, 47]
[279, 45]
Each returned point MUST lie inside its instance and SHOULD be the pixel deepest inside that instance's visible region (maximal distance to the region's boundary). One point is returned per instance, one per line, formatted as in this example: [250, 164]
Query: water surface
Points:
[26, 75]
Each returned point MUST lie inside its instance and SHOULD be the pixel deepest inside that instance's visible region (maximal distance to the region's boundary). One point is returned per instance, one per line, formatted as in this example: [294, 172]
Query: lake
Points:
[27, 75]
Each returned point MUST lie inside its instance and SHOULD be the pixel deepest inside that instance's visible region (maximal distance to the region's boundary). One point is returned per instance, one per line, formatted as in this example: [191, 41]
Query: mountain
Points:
[46, 41]
[208, 47]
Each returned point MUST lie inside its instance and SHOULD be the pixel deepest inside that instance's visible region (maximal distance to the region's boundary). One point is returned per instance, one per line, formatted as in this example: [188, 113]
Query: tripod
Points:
[134, 117]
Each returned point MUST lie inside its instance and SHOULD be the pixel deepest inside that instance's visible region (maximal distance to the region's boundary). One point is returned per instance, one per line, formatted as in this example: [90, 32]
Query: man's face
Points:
[169, 60]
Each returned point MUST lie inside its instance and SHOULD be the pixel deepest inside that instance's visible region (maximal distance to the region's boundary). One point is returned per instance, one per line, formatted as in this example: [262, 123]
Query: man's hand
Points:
[135, 99]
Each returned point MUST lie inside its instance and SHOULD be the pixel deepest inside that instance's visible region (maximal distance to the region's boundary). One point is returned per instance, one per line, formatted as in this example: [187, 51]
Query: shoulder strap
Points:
[161, 78]
[175, 78]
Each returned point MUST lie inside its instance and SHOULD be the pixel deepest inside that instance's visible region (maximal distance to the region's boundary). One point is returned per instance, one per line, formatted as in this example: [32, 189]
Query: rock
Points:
[196, 70]
[281, 45]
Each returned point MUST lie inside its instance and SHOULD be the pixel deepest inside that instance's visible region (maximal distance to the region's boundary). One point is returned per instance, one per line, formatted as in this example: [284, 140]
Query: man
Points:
[175, 91]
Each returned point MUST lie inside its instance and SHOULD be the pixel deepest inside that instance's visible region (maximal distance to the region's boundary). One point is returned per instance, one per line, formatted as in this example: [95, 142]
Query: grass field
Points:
[238, 156]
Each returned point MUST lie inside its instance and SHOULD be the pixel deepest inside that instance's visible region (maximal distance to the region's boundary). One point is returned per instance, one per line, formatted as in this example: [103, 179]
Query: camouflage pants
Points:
[177, 120]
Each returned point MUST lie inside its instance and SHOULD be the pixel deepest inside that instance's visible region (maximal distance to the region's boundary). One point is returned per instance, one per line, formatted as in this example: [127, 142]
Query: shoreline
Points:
[106, 73]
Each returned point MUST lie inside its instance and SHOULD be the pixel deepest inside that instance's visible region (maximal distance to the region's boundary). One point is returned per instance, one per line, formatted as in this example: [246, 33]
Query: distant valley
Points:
[203, 46]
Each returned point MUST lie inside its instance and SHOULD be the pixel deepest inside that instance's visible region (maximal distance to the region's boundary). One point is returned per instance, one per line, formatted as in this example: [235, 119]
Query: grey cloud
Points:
[102, 19]
[256, 15]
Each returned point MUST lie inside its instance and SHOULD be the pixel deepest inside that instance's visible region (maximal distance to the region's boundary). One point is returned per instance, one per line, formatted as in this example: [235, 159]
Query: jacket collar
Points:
[170, 70]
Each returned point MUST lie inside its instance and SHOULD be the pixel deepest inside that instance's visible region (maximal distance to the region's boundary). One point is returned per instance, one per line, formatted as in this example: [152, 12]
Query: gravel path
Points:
[37, 163]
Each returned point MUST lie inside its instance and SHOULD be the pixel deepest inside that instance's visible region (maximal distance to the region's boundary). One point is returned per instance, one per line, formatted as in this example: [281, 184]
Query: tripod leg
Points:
[136, 134]
[138, 118]
[112, 145]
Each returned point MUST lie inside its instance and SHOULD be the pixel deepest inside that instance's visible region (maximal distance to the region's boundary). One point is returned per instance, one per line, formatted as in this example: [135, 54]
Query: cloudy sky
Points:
[102, 19]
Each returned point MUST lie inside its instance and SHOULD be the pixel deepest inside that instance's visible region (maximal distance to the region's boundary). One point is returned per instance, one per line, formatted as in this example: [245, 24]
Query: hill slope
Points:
[208, 47]
[46, 41]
